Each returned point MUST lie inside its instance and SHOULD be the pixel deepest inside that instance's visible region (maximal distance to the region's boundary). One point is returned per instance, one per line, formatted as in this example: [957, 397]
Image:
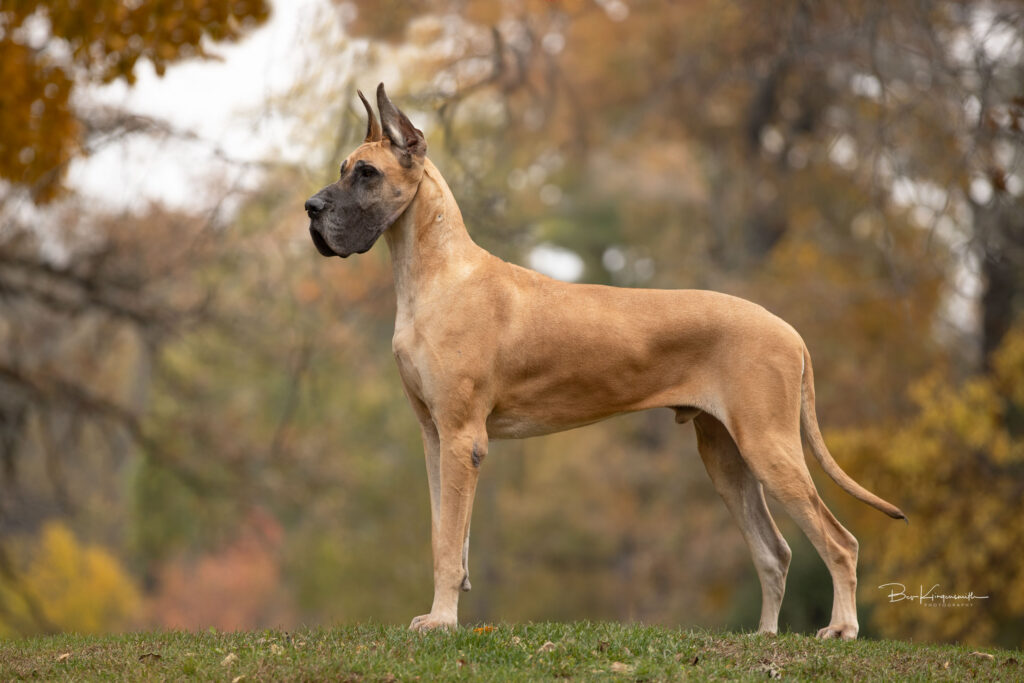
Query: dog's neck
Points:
[428, 240]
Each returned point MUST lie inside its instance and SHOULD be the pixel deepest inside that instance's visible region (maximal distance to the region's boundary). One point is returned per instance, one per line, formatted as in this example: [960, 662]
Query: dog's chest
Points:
[422, 362]
[403, 346]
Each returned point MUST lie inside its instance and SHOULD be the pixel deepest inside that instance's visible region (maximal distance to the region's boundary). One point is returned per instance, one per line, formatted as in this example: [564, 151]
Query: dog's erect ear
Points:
[398, 128]
[372, 127]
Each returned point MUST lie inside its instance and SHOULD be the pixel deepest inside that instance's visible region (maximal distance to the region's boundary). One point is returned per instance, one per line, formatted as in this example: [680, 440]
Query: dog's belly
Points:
[556, 401]
[508, 425]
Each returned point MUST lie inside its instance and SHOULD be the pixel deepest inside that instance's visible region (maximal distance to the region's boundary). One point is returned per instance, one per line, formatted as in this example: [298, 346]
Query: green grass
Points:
[603, 651]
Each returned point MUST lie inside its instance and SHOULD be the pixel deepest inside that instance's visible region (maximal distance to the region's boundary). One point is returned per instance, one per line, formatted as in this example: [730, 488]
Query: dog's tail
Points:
[809, 425]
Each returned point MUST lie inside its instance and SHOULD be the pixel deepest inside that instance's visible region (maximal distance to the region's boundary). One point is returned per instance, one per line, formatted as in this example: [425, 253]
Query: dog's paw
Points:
[841, 631]
[428, 622]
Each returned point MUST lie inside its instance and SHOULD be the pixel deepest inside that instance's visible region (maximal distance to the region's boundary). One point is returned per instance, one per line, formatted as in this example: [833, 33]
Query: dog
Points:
[489, 350]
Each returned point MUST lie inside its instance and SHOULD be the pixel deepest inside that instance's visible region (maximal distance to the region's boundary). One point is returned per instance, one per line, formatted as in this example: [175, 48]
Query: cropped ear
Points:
[372, 127]
[404, 136]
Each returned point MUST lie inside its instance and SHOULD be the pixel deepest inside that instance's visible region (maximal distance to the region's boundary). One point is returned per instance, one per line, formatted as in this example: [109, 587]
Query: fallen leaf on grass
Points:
[982, 655]
[276, 649]
[229, 660]
[1010, 662]
[461, 663]
[770, 670]
[546, 647]
[64, 657]
[483, 629]
[695, 660]
[238, 679]
[149, 656]
[945, 664]
[621, 668]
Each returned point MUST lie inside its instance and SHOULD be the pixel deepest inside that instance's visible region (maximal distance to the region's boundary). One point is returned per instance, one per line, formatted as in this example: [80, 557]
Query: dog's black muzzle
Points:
[320, 243]
[314, 205]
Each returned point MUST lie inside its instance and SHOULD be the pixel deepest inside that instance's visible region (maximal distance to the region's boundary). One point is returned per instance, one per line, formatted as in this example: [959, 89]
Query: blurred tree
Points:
[76, 356]
[48, 49]
[86, 298]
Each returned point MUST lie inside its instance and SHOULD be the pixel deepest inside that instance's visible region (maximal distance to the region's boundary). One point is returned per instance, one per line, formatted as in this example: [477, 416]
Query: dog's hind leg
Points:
[744, 497]
[778, 462]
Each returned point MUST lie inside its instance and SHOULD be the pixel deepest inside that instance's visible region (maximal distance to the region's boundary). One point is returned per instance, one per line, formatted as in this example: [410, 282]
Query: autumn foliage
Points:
[48, 48]
[955, 461]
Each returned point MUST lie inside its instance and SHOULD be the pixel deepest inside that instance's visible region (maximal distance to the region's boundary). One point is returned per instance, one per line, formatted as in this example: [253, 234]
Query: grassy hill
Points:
[524, 652]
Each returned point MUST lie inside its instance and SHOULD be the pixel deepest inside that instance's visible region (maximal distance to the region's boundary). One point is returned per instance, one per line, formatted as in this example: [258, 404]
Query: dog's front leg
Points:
[432, 455]
[460, 456]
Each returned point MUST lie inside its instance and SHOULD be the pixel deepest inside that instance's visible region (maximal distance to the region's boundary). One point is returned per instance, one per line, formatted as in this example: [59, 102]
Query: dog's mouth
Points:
[356, 238]
[321, 244]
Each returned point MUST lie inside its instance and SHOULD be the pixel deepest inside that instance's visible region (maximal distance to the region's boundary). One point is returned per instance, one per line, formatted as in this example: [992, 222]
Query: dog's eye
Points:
[366, 171]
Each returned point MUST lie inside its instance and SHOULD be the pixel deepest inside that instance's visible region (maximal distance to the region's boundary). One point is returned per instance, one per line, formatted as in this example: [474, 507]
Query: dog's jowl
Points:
[489, 350]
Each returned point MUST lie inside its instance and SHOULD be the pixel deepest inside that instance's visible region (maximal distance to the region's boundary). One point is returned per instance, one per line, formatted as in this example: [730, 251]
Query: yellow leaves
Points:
[1008, 364]
[953, 467]
[80, 588]
[969, 418]
[34, 112]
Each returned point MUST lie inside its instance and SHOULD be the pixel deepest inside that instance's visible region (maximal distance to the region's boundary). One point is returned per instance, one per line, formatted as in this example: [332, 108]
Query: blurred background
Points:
[201, 423]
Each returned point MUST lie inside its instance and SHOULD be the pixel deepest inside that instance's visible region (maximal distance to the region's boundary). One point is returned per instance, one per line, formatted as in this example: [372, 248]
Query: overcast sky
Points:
[220, 101]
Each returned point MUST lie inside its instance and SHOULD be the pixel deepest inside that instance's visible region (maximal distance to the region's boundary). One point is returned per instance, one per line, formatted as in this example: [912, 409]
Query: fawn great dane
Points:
[489, 350]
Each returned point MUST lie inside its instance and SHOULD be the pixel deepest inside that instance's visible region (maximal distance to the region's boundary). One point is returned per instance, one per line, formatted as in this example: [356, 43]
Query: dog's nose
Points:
[314, 205]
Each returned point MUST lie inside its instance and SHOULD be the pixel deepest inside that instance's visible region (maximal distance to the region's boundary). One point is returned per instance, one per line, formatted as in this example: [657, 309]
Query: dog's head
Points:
[376, 183]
